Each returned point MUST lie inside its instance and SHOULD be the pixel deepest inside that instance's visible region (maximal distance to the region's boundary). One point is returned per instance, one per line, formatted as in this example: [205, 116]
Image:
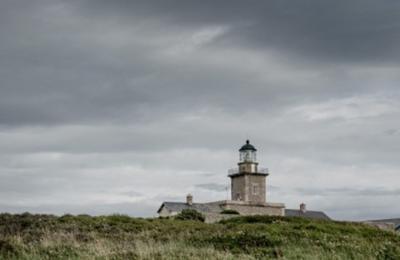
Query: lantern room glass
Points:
[248, 156]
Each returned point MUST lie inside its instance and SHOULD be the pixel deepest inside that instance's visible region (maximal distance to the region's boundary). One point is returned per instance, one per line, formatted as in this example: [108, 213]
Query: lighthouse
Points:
[248, 182]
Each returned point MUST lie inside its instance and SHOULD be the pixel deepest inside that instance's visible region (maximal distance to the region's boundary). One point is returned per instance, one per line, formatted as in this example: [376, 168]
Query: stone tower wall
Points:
[248, 167]
[248, 187]
[238, 184]
[255, 188]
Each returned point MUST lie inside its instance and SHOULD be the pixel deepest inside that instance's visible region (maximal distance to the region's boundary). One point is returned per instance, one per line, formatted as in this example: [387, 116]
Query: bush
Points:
[27, 236]
[190, 214]
[6, 247]
[260, 244]
[230, 211]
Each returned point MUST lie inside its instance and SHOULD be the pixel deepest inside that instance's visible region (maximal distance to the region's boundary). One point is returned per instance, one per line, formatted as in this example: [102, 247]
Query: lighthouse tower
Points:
[248, 193]
[247, 181]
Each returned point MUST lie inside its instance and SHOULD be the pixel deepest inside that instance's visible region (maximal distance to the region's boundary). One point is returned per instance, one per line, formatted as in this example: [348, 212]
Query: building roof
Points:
[247, 147]
[201, 207]
[216, 208]
[307, 214]
[395, 221]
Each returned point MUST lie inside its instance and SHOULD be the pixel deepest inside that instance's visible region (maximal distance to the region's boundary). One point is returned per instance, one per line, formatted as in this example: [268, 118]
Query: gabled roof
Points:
[307, 214]
[201, 207]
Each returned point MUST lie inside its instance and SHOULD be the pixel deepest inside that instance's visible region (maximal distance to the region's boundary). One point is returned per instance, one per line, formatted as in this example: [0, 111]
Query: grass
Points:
[29, 236]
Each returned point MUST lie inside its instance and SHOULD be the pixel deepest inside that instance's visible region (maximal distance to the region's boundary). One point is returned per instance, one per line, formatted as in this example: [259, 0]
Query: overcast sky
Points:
[116, 106]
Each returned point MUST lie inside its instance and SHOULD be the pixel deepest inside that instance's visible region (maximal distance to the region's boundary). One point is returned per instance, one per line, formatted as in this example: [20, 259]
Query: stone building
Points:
[247, 182]
[248, 194]
[303, 212]
[386, 224]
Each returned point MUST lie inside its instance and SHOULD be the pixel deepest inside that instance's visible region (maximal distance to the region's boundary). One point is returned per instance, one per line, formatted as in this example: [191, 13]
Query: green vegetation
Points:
[190, 214]
[29, 236]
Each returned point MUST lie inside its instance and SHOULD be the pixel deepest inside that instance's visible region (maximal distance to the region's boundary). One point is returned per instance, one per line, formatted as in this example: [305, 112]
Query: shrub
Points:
[230, 211]
[27, 236]
[190, 214]
[6, 247]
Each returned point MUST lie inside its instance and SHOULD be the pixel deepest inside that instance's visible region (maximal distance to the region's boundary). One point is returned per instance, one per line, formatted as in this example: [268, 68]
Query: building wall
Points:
[243, 208]
[255, 188]
[257, 210]
[248, 167]
[166, 213]
[381, 225]
[215, 217]
[248, 187]
[238, 184]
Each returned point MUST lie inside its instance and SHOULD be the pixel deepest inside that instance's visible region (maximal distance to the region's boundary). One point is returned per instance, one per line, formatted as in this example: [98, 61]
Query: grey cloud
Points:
[131, 193]
[212, 187]
[166, 197]
[63, 53]
[118, 99]
[355, 31]
[133, 209]
[392, 132]
[274, 188]
[378, 191]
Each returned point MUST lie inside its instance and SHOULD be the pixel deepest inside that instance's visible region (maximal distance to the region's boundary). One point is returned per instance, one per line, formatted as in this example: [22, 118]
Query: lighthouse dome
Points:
[247, 147]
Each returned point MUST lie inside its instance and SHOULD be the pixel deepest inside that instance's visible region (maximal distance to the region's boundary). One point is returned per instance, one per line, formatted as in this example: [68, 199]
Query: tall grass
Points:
[29, 236]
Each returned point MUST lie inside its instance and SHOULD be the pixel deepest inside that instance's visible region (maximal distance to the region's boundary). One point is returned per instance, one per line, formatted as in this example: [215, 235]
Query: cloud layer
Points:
[116, 106]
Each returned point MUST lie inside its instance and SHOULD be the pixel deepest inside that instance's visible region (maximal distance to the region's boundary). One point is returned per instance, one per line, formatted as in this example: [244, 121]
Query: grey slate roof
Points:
[201, 207]
[308, 214]
[395, 221]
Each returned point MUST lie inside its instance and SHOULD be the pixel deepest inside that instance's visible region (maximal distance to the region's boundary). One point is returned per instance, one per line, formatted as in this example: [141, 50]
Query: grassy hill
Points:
[29, 236]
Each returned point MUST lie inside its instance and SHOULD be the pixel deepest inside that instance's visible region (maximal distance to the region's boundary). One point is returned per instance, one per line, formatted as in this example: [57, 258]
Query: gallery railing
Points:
[233, 171]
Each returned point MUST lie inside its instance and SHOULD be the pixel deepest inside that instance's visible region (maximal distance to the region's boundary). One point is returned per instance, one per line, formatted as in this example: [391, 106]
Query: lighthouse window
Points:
[238, 196]
[255, 189]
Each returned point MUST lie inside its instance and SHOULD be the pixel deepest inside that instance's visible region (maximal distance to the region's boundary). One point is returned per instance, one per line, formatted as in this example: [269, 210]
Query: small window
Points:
[238, 196]
[255, 188]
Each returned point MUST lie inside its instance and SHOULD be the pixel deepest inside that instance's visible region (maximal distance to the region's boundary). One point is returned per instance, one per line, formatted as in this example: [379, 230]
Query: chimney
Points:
[189, 199]
[303, 208]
